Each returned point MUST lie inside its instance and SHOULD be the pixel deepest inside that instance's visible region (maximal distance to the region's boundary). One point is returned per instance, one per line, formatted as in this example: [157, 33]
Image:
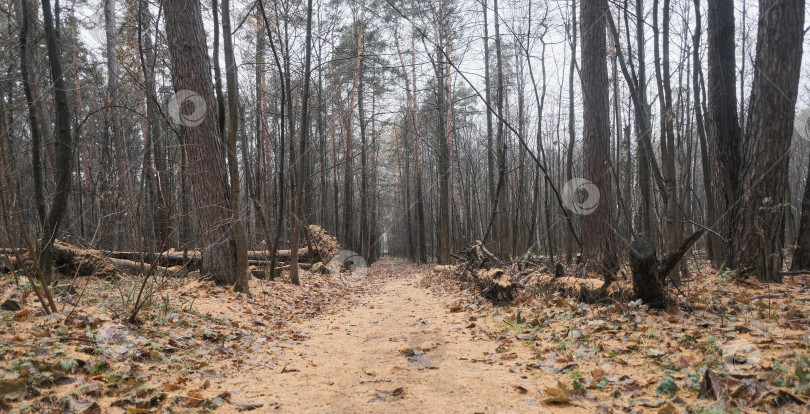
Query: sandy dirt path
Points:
[396, 347]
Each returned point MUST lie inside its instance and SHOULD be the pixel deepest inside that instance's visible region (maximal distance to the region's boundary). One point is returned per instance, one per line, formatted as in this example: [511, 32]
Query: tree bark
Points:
[298, 215]
[662, 74]
[192, 72]
[501, 234]
[63, 144]
[711, 213]
[126, 194]
[240, 243]
[755, 242]
[801, 257]
[598, 246]
[420, 202]
[33, 119]
[348, 193]
[723, 129]
[572, 135]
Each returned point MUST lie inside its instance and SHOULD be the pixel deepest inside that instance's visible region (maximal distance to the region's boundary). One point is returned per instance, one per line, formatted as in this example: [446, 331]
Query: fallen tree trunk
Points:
[74, 260]
[131, 267]
[497, 284]
[482, 268]
[588, 290]
[168, 258]
[192, 260]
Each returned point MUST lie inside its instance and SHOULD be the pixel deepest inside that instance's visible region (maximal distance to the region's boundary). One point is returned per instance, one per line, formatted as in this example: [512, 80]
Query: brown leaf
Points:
[785, 398]
[559, 395]
[205, 385]
[13, 389]
[193, 402]
[603, 409]
[668, 409]
[171, 387]
[711, 387]
[21, 315]
[749, 391]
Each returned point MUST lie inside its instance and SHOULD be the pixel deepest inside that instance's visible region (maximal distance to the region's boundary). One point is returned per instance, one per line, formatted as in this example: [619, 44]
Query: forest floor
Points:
[399, 338]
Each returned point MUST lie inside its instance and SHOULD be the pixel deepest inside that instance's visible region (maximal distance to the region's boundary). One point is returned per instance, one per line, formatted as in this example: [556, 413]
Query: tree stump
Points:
[649, 273]
[646, 280]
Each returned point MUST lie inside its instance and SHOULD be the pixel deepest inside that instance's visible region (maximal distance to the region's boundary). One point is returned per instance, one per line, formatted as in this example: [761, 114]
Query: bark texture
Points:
[755, 240]
[192, 72]
[598, 246]
[723, 130]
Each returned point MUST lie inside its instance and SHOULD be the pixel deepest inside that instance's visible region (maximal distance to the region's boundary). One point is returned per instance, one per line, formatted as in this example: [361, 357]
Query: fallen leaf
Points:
[13, 389]
[711, 387]
[667, 409]
[785, 398]
[171, 387]
[749, 391]
[248, 406]
[559, 395]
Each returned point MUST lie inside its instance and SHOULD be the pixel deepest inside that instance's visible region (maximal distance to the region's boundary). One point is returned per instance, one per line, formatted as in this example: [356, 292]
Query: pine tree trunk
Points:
[755, 239]
[572, 136]
[126, 194]
[598, 246]
[801, 257]
[711, 213]
[723, 129]
[63, 145]
[240, 242]
[348, 192]
[298, 221]
[192, 72]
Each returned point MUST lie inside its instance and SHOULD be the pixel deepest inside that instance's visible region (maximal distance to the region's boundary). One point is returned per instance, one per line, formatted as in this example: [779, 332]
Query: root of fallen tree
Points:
[498, 281]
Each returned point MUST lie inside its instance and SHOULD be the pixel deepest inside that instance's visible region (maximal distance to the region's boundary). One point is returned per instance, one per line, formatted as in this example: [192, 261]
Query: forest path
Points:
[395, 348]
